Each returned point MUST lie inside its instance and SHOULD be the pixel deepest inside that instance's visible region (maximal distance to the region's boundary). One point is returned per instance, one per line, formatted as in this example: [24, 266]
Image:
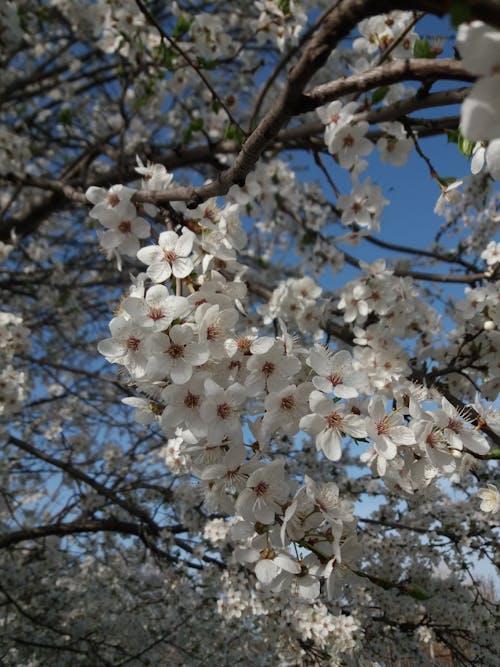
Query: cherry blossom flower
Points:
[363, 205]
[335, 116]
[116, 198]
[266, 491]
[220, 409]
[183, 404]
[158, 309]
[394, 146]
[176, 354]
[353, 301]
[285, 408]
[339, 569]
[127, 346]
[154, 176]
[349, 143]
[270, 370]
[490, 498]
[479, 46]
[124, 230]
[329, 422]
[335, 372]
[386, 431]
[215, 326]
[171, 257]
[456, 432]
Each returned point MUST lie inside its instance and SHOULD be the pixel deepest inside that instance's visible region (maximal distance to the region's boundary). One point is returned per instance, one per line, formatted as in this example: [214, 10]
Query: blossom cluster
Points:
[14, 341]
[232, 394]
[231, 398]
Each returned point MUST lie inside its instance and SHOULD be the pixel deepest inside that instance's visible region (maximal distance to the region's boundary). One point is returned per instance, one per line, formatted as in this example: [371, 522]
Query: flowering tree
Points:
[180, 181]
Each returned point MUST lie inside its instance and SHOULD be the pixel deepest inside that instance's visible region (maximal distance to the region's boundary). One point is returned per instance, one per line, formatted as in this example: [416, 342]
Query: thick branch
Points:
[71, 528]
[417, 69]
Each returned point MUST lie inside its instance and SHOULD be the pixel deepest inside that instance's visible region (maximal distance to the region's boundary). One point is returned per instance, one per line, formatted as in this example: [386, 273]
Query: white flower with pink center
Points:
[285, 408]
[457, 431]
[215, 326]
[183, 404]
[221, 410]
[116, 198]
[175, 355]
[349, 143]
[171, 257]
[127, 346]
[386, 431]
[124, 229]
[158, 309]
[329, 423]
[335, 372]
[265, 494]
[270, 369]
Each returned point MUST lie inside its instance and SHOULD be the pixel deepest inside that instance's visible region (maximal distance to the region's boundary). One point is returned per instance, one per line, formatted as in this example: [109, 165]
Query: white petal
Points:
[184, 244]
[266, 571]
[182, 267]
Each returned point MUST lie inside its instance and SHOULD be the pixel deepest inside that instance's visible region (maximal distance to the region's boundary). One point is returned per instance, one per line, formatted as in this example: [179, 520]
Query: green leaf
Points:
[416, 592]
[379, 94]
[207, 64]
[423, 49]
[284, 6]
[234, 133]
[196, 125]
[66, 117]
[167, 56]
[460, 12]
[465, 146]
[182, 27]
[445, 181]
[309, 238]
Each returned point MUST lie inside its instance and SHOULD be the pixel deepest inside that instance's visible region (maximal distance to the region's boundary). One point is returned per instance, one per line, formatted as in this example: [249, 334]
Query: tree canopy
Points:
[240, 420]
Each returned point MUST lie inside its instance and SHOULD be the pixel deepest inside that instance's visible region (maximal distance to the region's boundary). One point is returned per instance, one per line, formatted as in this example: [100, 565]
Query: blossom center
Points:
[243, 345]
[133, 343]
[268, 368]
[334, 420]
[212, 332]
[261, 488]
[287, 402]
[169, 256]
[224, 410]
[383, 426]
[155, 314]
[125, 226]
[175, 351]
[455, 425]
[335, 379]
[191, 400]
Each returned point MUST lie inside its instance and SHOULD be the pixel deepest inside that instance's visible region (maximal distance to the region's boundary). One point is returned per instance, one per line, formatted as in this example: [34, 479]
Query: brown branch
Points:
[468, 278]
[402, 108]
[77, 474]
[451, 258]
[416, 69]
[80, 525]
